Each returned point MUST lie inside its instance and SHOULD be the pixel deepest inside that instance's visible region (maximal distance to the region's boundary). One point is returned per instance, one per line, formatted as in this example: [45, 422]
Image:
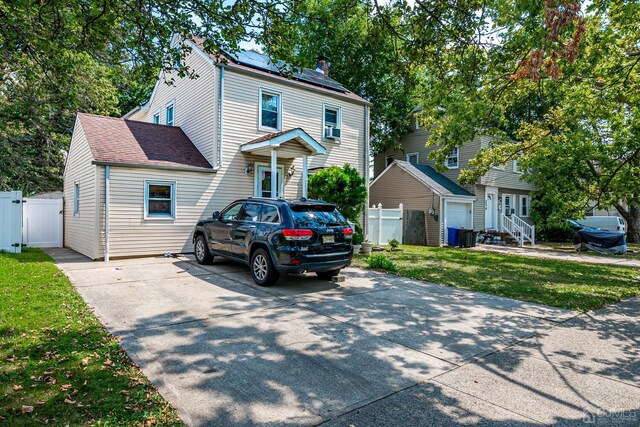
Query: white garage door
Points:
[458, 214]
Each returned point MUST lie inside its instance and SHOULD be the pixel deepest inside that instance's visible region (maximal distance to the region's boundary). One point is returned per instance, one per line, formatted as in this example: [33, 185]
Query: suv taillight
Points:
[348, 232]
[297, 234]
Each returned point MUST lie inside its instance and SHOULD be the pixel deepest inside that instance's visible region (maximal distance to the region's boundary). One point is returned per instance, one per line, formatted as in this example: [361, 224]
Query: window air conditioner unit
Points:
[331, 132]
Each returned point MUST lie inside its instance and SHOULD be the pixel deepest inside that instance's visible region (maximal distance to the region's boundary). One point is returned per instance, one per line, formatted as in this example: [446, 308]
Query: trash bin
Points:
[474, 238]
[464, 237]
[453, 234]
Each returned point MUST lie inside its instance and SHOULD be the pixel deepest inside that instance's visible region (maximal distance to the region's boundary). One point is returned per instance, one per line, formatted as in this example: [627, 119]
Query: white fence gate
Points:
[11, 221]
[385, 224]
[42, 223]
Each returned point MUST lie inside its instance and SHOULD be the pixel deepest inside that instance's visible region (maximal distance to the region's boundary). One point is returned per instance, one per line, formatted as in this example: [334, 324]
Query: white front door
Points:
[263, 181]
[11, 224]
[490, 209]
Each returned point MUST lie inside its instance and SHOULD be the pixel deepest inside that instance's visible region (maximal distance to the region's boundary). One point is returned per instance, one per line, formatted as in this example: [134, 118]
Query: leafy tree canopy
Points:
[343, 187]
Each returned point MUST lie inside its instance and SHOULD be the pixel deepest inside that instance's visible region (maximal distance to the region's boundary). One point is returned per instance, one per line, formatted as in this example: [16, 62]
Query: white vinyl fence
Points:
[42, 223]
[385, 224]
[11, 221]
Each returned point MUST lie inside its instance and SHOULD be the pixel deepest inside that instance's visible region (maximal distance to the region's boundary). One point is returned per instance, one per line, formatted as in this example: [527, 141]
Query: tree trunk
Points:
[632, 215]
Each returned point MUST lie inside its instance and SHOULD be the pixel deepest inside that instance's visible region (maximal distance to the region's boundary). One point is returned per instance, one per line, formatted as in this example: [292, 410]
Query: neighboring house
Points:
[137, 186]
[499, 201]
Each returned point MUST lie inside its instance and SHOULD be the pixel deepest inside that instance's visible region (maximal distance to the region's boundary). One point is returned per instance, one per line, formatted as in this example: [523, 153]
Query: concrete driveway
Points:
[373, 350]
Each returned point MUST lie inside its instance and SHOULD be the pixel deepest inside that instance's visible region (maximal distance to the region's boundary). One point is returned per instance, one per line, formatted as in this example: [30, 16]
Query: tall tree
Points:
[363, 55]
[558, 88]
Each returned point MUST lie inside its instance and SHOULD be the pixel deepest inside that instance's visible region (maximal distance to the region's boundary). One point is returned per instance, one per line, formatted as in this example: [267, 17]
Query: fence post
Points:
[379, 223]
[401, 207]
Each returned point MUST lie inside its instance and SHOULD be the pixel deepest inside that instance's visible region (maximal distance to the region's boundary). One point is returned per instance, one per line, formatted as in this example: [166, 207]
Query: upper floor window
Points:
[516, 165]
[160, 199]
[524, 206]
[453, 159]
[156, 117]
[270, 110]
[76, 199]
[168, 114]
[331, 122]
[412, 158]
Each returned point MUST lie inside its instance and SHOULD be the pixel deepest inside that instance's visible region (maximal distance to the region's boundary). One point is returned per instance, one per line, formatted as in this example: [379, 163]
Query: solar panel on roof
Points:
[256, 60]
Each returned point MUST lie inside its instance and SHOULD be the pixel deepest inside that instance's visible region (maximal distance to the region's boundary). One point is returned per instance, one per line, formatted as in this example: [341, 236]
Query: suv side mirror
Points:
[216, 215]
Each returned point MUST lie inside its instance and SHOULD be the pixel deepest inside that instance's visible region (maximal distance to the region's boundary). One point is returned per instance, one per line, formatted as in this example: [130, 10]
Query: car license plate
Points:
[329, 239]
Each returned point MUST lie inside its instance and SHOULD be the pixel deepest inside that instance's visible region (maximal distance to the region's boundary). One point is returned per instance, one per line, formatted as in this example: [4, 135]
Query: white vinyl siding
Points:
[270, 110]
[131, 233]
[196, 103]
[80, 231]
[300, 108]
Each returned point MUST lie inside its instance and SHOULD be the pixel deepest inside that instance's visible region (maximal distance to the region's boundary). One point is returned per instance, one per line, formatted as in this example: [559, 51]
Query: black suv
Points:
[275, 236]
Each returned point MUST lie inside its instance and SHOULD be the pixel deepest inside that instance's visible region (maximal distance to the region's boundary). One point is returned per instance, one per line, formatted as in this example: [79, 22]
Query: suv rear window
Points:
[316, 216]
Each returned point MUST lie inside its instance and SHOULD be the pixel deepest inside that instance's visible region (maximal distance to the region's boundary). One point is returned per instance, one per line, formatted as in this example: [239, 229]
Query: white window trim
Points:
[269, 92]
[339, 120]
[512, 203]
[172, 104]
[413, 154]
[157, 113]
[174, 198]
[528, 204]
[446, 162]
[256, 179]
[76, 199]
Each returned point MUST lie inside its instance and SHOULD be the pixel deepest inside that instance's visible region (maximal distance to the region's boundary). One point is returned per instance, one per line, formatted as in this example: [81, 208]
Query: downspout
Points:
[106, 213]
[366, 168]
[220, 117]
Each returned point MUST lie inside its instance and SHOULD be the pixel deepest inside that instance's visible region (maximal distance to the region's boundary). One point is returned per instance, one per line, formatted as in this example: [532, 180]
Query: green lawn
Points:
[58, 365]
[572, 285]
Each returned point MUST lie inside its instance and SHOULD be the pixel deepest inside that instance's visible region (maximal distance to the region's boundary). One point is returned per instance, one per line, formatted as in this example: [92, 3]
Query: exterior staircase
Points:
[518, 229]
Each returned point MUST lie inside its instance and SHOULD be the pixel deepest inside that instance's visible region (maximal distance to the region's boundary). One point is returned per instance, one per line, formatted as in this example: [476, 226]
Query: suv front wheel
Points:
[201, 251]
[262, 269]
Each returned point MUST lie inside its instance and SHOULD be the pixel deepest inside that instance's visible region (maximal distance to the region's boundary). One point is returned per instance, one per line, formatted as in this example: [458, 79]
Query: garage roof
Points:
[432, 179]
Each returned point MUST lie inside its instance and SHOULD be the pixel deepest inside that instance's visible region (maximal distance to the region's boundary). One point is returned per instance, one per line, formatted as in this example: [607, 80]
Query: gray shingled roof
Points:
[433, 179]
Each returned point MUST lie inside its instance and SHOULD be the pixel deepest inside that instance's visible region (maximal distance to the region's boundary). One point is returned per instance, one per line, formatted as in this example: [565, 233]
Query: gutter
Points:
[162, 167]
[366, 168]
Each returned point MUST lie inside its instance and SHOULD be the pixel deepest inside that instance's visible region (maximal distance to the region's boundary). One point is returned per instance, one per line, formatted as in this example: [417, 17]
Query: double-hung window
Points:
[331, 122]
[270, 110]
[412, 158]
[168, 114]
[156, 117]
[160, 199]
[453, 159]
[524, 206]
[76, 199]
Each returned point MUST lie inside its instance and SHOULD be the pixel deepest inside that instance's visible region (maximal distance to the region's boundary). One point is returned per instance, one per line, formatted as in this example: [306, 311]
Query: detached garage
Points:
[421, 187]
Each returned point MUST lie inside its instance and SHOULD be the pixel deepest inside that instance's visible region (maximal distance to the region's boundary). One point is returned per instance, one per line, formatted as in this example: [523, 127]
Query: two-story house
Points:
[137, 185]
[500, 200]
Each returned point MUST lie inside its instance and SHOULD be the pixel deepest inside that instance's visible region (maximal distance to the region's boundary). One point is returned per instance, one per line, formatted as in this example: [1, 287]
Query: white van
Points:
[608, 223]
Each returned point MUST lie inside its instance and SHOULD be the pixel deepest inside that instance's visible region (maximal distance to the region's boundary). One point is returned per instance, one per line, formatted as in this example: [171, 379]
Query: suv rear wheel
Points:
[327, 275]
[201, 251]
[262, 269]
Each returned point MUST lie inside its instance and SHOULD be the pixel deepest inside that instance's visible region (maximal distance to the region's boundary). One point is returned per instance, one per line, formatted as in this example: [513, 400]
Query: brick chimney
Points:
[323, 65]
